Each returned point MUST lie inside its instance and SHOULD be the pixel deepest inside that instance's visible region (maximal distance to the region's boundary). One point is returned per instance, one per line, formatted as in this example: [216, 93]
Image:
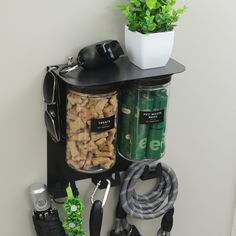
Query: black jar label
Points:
[98, 125]
[151, 117]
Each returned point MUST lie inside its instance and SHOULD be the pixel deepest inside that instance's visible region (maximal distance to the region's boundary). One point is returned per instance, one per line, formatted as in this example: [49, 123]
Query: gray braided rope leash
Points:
[151, 205]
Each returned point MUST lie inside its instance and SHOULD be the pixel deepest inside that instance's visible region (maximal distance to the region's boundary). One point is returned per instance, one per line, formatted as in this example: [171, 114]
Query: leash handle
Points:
[96, 216]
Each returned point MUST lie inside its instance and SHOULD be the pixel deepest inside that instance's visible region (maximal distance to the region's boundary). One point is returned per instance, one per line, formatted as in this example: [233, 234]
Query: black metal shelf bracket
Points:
[59, 174]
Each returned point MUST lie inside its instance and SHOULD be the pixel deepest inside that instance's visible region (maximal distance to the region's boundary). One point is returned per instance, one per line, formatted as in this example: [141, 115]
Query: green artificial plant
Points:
[151, 16]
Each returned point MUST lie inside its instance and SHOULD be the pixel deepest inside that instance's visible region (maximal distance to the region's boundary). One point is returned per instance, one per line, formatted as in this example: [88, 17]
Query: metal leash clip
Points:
[106, 192]
[70, 66]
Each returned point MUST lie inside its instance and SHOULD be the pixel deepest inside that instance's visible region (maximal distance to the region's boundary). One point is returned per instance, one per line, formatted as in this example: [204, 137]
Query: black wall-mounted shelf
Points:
[59, 174]
[120, 71]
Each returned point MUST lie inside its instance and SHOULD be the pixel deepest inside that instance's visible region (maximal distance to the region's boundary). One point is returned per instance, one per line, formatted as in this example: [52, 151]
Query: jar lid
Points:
[98, 89]
[160, 80]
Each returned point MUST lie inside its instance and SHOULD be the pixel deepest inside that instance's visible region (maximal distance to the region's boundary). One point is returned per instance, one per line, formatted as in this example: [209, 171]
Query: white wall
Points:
[202, 116]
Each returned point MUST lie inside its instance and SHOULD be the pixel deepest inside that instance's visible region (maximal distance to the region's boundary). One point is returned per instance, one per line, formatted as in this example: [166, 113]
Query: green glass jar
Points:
[142, 118]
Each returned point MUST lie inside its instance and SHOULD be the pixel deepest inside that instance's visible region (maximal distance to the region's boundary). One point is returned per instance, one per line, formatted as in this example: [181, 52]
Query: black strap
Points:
[96, 215]
[120, 213]
[167, 221]
[125, 230]
[134, 231]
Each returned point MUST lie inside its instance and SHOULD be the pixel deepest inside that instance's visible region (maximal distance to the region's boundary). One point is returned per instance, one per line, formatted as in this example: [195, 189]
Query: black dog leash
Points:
[96, 214]
[122, 227]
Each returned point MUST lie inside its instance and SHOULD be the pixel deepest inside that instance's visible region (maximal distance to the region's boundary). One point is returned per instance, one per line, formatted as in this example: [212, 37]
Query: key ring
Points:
[106, 192]
[70, 66]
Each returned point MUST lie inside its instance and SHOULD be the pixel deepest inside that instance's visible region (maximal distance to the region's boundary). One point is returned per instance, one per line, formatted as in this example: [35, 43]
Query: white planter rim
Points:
[136, 32]
[149, 50]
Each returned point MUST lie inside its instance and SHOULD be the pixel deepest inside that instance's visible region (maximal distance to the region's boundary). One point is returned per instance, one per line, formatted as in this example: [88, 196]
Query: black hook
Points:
[148, 174]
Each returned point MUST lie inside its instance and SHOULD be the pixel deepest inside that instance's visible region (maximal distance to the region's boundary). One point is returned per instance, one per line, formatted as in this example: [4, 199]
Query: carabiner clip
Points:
[70, 66]
[106, 192]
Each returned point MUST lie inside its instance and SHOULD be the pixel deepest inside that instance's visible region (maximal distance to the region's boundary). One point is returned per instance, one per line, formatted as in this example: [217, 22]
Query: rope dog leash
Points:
[151, 205]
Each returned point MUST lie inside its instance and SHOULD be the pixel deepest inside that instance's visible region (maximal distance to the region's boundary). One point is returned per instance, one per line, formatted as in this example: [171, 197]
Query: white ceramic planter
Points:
[149, 50]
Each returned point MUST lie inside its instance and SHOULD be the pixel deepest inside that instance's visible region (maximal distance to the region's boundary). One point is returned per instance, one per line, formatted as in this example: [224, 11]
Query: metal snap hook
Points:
[106, 192]
[69, 61]
[70, 66]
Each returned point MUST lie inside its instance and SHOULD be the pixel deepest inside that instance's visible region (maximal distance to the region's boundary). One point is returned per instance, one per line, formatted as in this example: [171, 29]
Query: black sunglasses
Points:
[51, 100]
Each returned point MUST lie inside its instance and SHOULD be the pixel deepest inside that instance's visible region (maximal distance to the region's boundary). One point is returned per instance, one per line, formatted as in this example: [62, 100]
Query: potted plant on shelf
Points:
[149, 33]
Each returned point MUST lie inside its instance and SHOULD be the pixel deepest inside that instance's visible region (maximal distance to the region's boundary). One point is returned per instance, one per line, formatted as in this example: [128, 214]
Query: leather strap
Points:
[96, 215]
